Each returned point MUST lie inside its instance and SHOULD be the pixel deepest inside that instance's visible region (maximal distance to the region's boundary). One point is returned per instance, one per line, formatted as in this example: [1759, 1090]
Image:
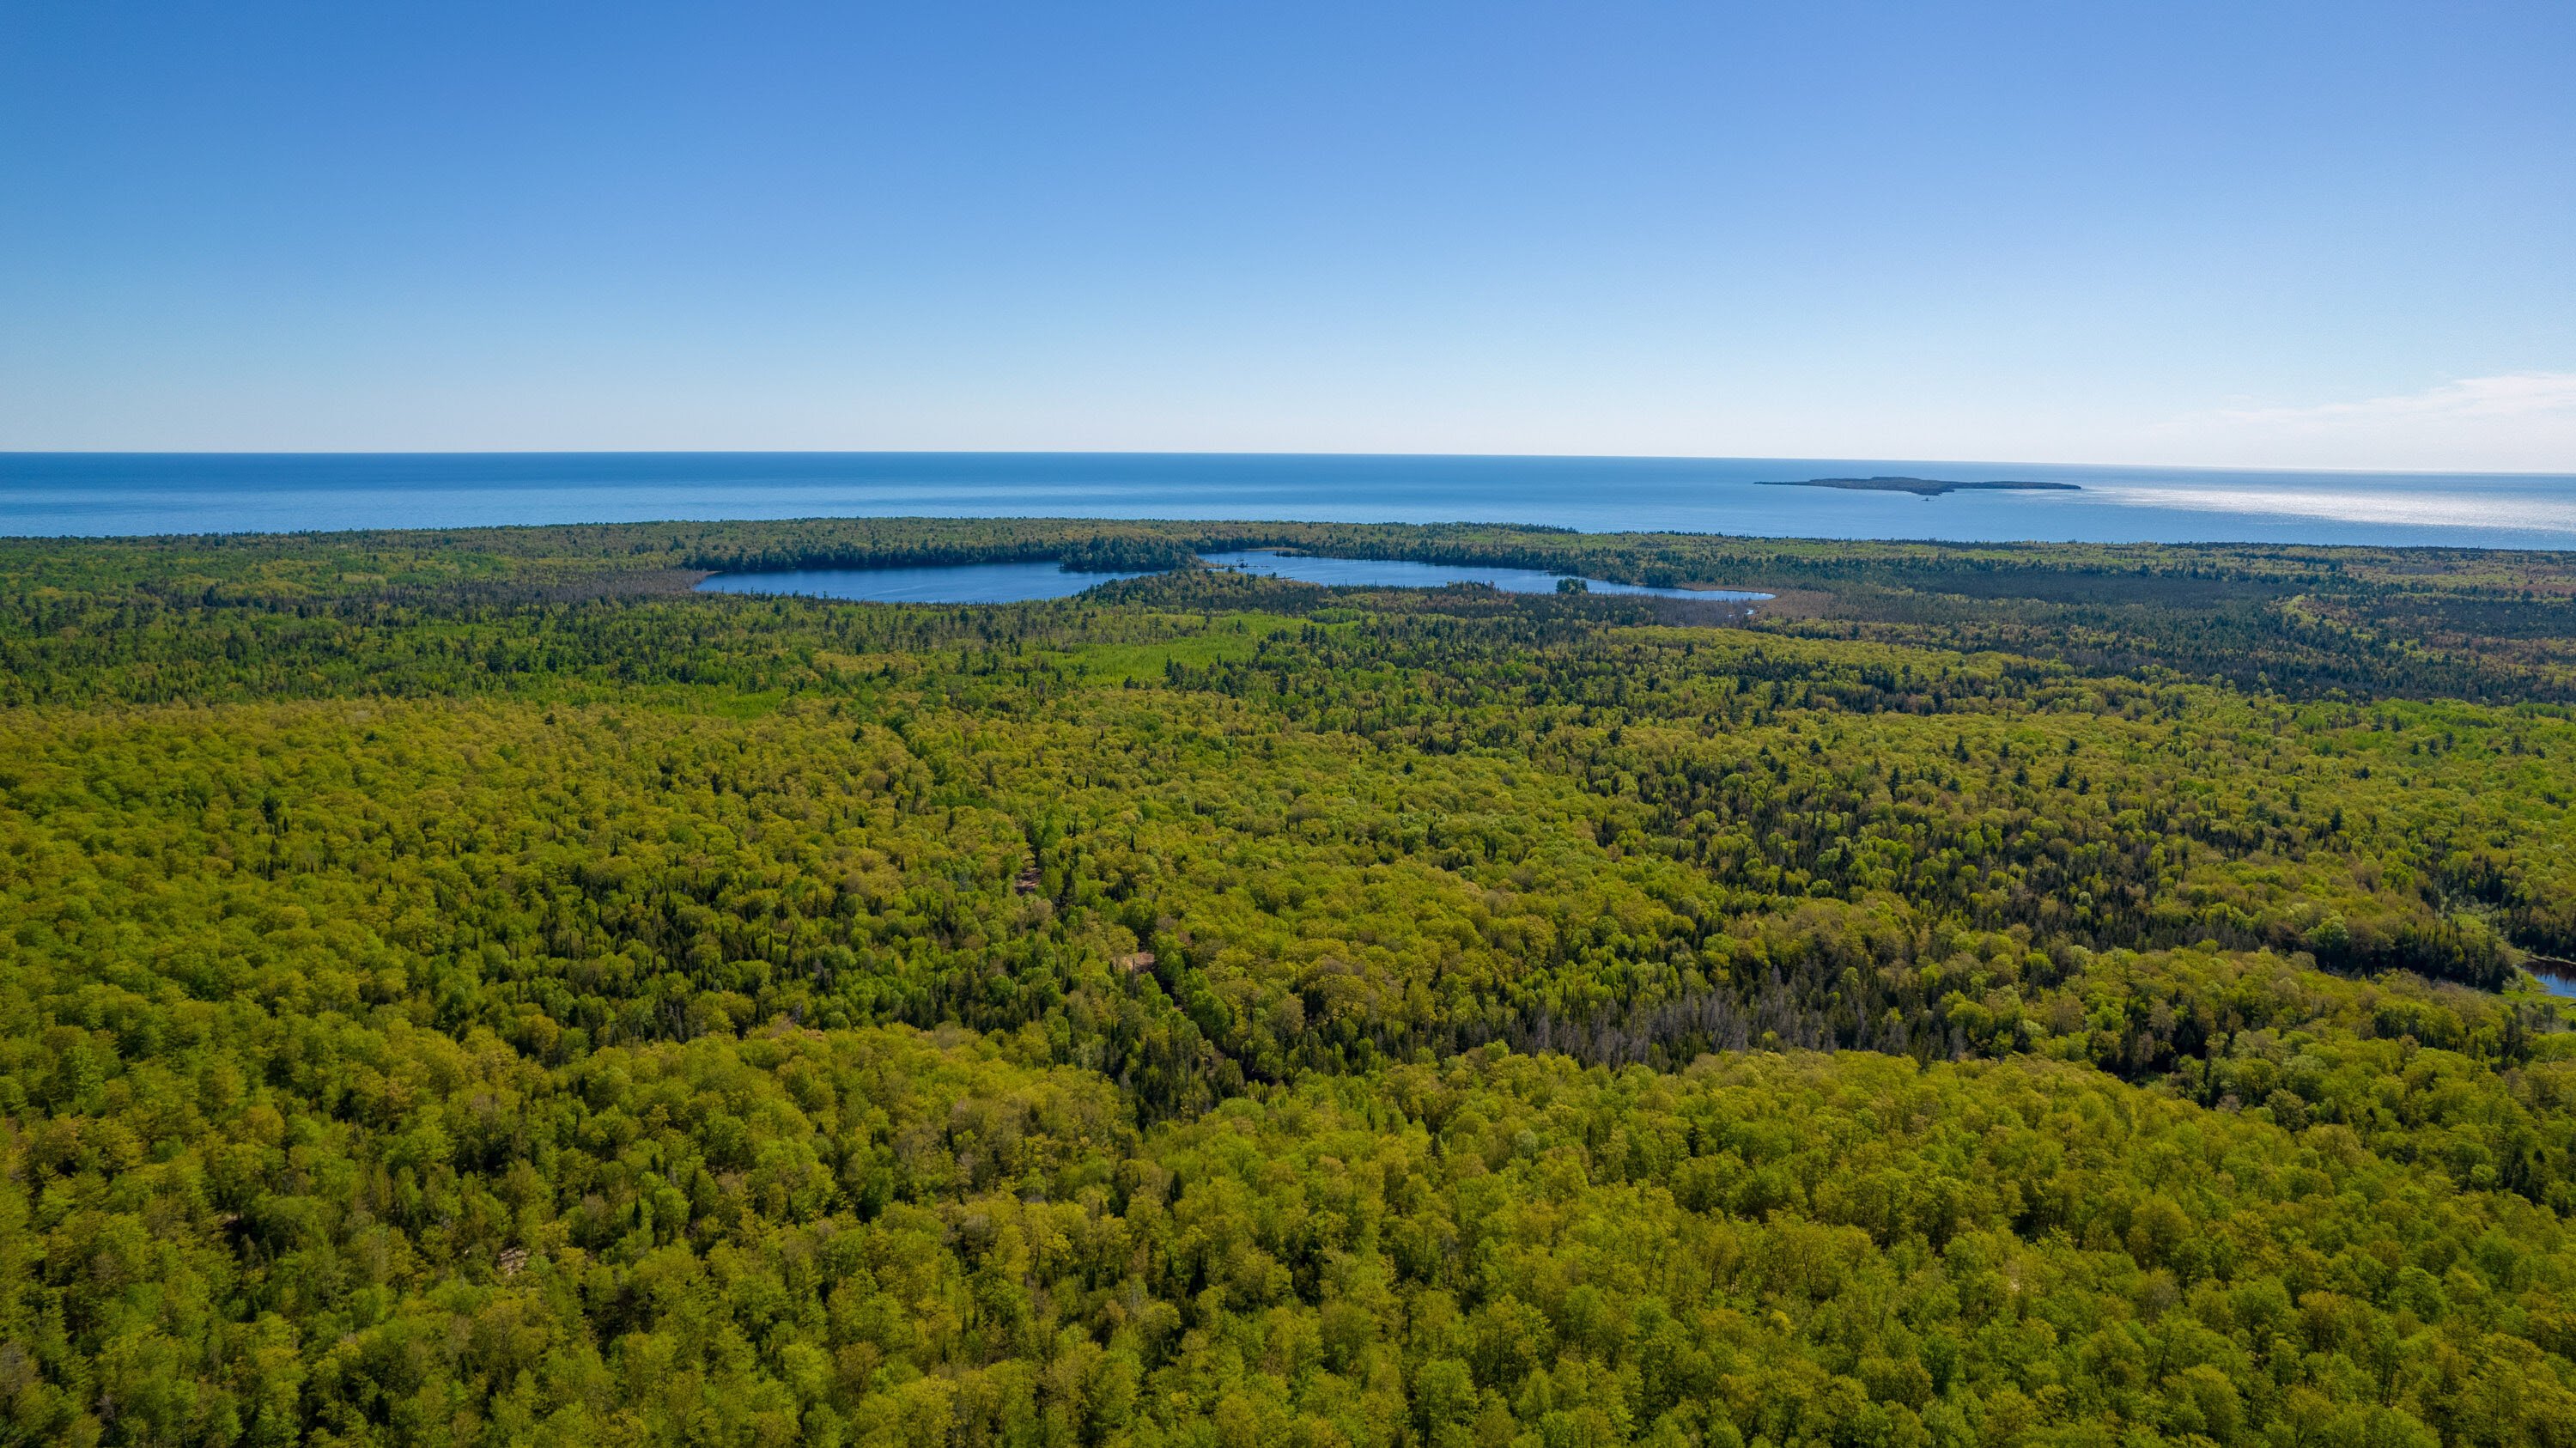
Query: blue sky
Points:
[2334, 235]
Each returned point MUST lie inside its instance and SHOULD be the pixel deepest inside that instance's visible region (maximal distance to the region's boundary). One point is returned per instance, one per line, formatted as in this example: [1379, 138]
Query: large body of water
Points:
[143, 493]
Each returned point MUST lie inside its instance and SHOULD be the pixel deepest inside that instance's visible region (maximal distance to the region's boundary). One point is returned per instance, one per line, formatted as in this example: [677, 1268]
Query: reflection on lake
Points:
[2555, 978]
[935, 583]
[1397, 573]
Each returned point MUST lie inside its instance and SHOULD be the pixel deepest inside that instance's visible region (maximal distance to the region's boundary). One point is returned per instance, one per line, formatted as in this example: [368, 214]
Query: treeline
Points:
[2309, 622]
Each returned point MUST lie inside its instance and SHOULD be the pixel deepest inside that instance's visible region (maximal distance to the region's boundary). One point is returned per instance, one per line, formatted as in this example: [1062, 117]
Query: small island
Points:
[1920, 487]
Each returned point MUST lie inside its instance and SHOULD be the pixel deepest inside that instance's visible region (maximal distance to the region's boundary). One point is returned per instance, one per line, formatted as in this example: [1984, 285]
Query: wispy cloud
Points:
[2511, 394]
[2510, 421]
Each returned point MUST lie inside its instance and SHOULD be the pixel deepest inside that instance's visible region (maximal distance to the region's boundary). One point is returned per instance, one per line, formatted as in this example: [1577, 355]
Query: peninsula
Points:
[1921, 487]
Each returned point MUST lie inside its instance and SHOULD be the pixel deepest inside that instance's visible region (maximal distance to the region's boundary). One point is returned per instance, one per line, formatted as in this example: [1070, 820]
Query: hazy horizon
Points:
[569, 451]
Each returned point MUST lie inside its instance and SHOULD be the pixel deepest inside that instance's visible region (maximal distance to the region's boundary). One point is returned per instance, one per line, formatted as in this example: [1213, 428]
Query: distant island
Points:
[1921, 487]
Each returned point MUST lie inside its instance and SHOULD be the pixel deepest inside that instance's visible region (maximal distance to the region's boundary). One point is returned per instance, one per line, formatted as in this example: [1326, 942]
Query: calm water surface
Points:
[1396, 573]
[139, 493]
[934, 583]
[1044, 578]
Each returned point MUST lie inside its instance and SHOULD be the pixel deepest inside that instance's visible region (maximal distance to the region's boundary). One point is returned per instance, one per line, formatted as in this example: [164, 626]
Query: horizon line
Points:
[2569, 472]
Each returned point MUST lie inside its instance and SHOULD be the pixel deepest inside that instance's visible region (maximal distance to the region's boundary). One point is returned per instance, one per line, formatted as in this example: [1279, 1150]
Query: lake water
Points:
[937, 583]
[1396, 573]
[127, 493]
[1043, 578]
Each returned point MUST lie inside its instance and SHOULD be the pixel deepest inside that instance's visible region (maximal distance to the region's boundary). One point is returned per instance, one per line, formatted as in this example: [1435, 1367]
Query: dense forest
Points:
[468, 988]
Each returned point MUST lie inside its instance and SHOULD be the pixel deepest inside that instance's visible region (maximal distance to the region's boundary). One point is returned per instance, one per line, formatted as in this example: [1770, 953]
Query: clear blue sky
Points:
[2332, 235]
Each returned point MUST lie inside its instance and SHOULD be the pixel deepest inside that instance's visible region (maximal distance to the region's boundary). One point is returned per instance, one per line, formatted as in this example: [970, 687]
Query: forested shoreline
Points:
[464, 987]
